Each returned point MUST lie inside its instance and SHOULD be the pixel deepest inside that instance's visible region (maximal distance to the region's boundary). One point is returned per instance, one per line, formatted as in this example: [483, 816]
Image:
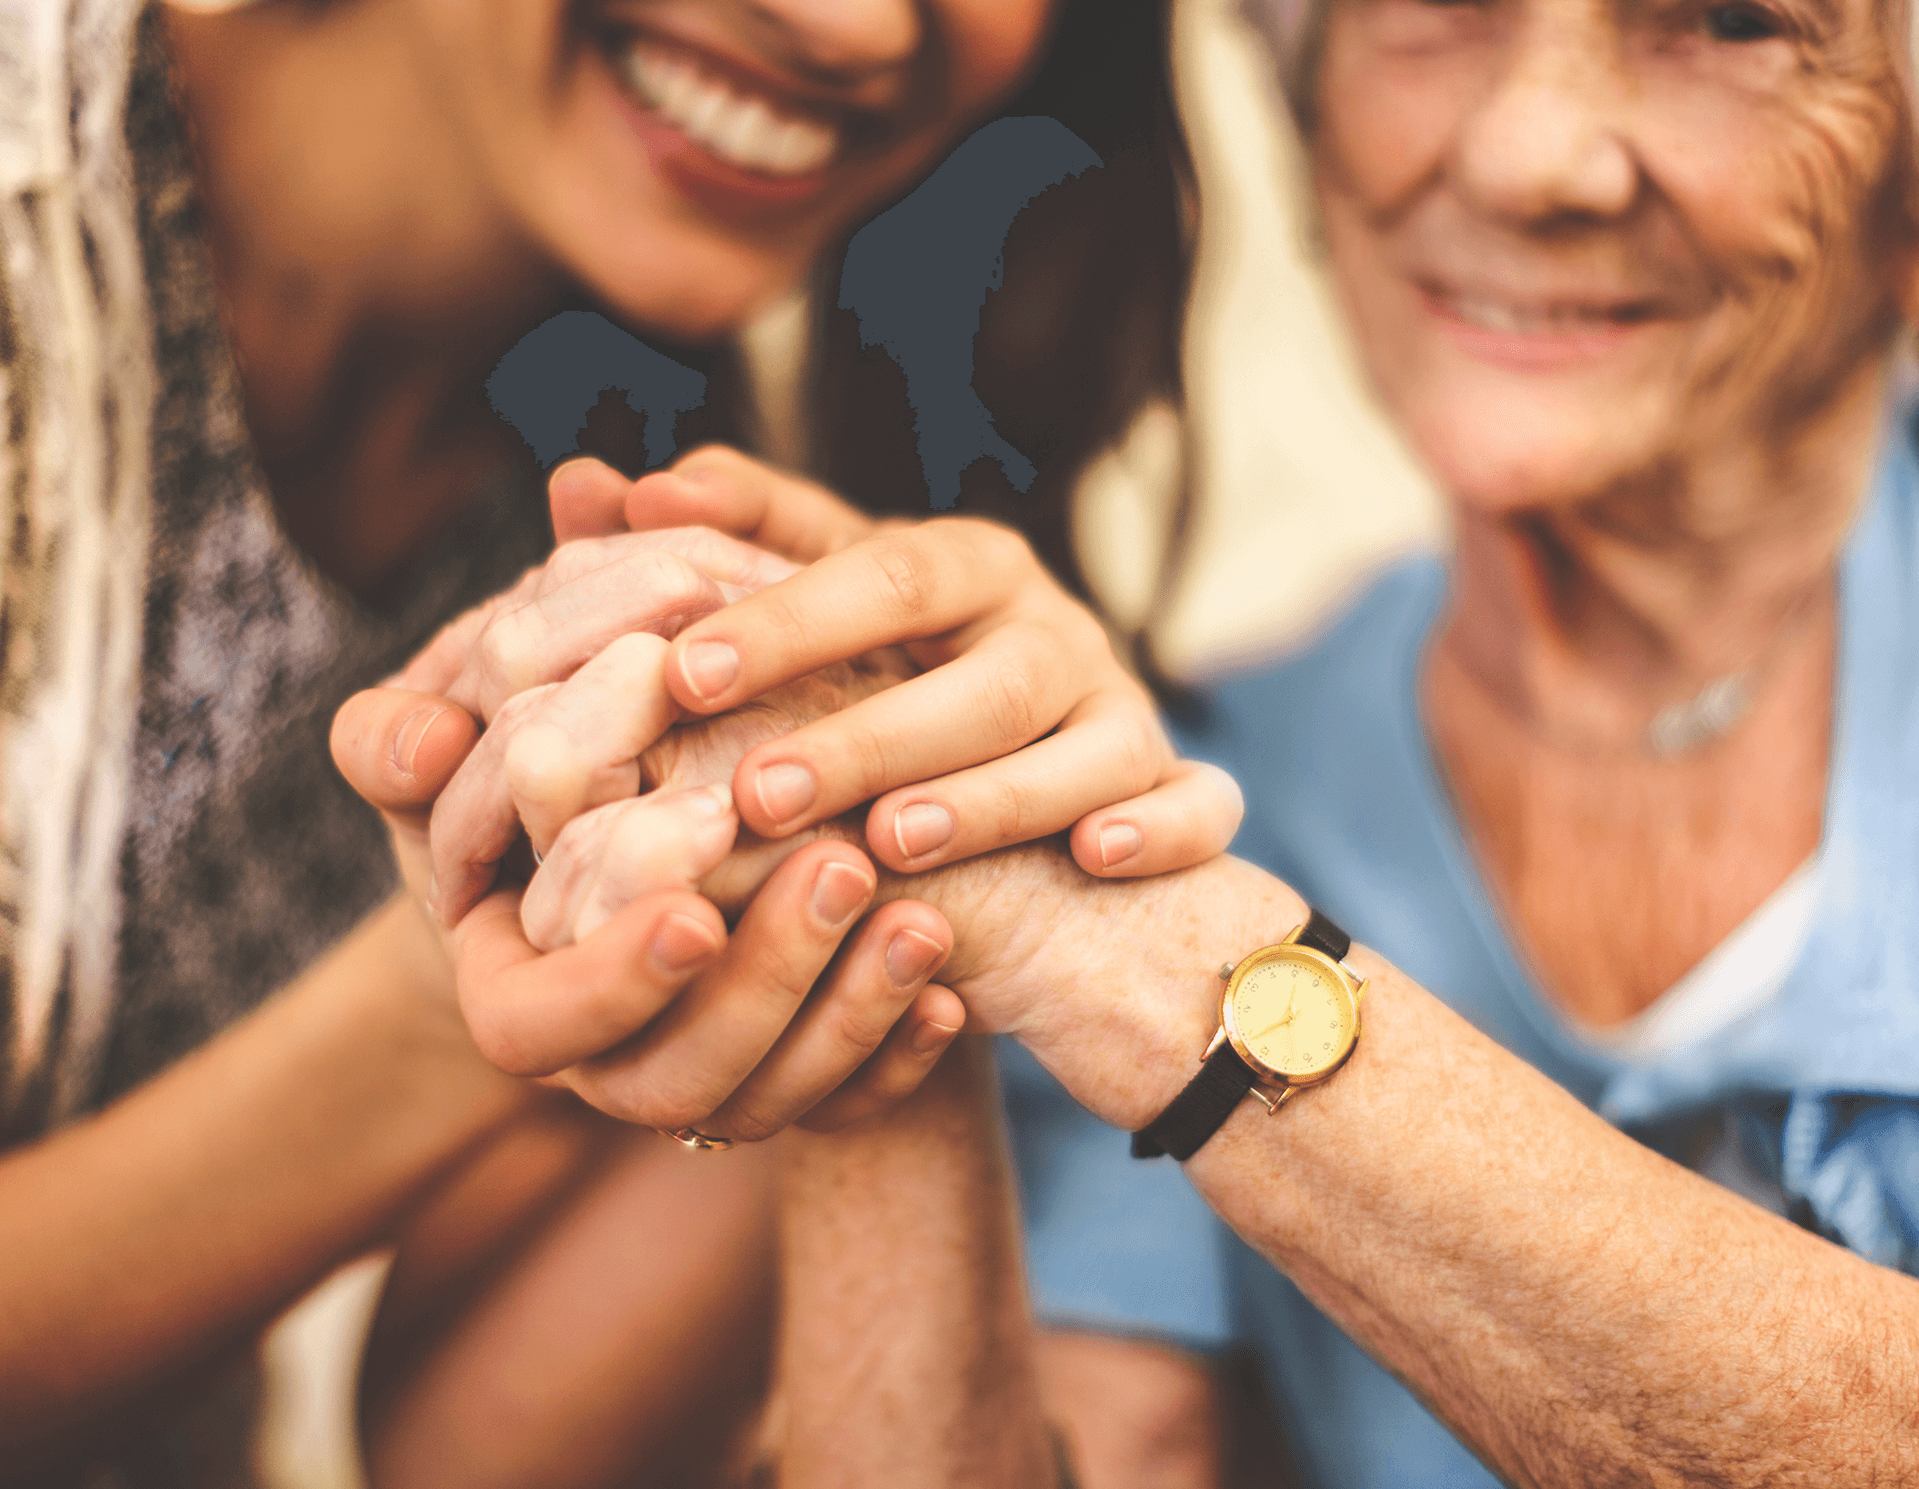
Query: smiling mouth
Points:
[1556, 318]
[743, 129]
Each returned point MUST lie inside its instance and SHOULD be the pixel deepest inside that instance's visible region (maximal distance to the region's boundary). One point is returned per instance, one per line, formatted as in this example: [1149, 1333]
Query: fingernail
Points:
[785, 790]
[680, 944]
[911, 958]
[406, 744]
[922, 827]
[1118, 841]
[930, 1036]
[839, 893]
[709, 668]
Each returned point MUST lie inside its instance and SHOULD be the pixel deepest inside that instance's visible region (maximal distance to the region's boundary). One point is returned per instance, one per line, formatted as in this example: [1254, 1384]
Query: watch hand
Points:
[1270, 1027]
[1291, 994]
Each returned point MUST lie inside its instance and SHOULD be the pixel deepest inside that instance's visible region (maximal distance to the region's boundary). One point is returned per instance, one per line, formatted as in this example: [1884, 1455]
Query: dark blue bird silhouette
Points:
[557, 371]
[917, 277]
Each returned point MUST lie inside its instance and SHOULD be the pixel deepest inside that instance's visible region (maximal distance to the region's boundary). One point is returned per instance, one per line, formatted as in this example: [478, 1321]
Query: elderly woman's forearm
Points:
[907, 1345]
[1577, 1308]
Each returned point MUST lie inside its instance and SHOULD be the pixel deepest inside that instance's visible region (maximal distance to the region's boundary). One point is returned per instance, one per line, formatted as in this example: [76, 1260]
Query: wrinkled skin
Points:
[705, 752]
[1725, 190]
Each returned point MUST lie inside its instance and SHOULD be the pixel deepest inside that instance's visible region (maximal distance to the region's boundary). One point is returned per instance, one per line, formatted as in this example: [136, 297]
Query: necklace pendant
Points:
[1680, 728]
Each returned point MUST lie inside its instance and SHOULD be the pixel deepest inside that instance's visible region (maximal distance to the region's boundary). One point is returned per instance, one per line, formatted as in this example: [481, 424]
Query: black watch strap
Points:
[1223, 1081]
[1321, 934]
[1197, 1112]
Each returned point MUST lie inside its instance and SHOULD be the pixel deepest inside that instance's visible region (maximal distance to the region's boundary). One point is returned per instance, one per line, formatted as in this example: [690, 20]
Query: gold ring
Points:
[697, 1142]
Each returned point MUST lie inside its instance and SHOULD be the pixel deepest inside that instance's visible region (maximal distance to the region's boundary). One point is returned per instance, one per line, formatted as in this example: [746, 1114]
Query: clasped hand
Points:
[682, 711]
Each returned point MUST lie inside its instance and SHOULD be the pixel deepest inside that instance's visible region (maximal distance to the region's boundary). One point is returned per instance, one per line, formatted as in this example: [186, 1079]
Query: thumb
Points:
[398, 749]
[587, 498]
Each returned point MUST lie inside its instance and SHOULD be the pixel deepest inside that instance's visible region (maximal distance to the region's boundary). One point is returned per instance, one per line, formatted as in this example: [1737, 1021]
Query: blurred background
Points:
[1301, 492]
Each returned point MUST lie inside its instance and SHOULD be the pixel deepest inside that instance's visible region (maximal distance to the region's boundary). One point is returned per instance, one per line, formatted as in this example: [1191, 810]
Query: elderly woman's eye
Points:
[1742, 23]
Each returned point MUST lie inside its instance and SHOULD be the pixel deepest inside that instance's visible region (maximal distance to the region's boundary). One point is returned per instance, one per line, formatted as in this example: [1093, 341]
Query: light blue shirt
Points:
[1821, 1084]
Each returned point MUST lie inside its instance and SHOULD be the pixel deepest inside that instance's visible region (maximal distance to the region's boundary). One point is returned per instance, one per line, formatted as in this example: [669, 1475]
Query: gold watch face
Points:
[1290, 1012]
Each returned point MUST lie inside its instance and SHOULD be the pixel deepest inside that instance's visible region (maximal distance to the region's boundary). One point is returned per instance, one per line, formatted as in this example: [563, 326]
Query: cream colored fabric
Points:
[76, 399]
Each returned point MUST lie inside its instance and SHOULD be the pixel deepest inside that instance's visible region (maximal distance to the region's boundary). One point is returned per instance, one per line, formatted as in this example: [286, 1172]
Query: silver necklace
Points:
[1679, 728]
[1684, 726]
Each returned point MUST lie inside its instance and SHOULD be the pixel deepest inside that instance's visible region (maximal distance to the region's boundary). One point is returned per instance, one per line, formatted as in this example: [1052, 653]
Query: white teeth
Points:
[1494, 317]
[1512, 320]
[802, 149]
[744, 131]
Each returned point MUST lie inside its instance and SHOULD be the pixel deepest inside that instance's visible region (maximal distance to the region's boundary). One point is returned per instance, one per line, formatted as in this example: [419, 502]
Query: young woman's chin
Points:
[689, 285]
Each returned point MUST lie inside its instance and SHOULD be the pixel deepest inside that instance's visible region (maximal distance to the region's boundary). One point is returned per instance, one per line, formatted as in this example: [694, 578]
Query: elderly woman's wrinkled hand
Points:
[793, 1014]
[582, 756]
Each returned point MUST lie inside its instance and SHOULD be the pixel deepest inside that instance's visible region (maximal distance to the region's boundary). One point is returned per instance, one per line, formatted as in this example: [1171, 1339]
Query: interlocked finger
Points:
[911, 1049]
[1013, 687]
[845, 1019]
[473, 823]
[1191, 815]
[587, 499]
[686, 1064]
[933, 579]
[721, 488]
[550, 754]
[594, 590]
[537, 1015]
[581, 746]
[621, 852]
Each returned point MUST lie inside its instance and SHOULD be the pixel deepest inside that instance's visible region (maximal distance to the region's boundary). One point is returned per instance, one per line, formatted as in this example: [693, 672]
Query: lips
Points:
[747, 130]
[1550, 317]
[1536, 333]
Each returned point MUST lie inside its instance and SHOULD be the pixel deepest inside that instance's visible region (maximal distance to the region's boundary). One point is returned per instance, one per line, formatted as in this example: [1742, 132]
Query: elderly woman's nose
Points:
[1548, 141]
[850, 38]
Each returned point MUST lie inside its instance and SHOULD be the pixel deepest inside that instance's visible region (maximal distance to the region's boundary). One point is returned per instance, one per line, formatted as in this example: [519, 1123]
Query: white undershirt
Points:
[1738, 977]
[1741, 975]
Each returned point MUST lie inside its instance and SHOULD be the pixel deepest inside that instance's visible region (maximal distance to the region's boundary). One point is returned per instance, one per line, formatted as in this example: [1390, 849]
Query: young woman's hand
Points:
[632, 992]
[1024, 723]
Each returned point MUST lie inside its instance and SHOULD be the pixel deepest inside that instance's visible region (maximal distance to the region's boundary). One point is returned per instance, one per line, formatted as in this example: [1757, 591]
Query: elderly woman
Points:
[1629, 1194]
[1626, 783]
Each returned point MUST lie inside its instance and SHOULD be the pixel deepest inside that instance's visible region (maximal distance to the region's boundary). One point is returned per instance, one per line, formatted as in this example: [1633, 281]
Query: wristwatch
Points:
[1289, 1018]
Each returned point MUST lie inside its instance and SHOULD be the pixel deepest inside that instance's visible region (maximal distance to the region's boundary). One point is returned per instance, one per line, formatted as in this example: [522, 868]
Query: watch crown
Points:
[1226, 971]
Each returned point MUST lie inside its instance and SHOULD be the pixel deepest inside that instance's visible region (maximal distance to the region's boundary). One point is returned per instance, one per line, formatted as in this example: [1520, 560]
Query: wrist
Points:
[400, 1007]
[1129, 1027]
